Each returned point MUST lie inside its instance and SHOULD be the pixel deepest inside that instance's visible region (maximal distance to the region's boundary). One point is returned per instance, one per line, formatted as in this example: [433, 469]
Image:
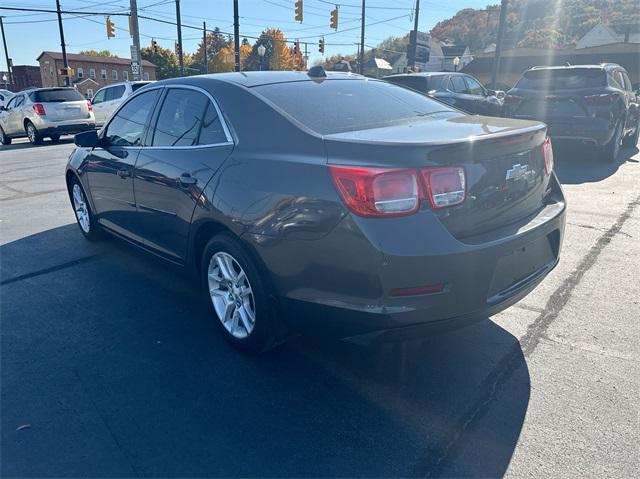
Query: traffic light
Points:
[154, 46]
[321, 45]
[296, 47]
[299, 11]
[111, 29]
[334, 18]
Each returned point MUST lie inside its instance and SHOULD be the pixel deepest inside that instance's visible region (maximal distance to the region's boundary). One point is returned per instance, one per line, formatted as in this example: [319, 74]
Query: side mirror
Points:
[87, 139]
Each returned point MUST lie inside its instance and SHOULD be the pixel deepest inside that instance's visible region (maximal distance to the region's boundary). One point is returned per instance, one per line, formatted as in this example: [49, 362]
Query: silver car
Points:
[107, 99]
[43, 112]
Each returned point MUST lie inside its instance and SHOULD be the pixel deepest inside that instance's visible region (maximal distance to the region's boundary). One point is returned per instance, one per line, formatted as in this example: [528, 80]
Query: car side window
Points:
[627, 82]
[127, 126]
[212, 131]
[619, 81]
[99, 97]
[458, 85]
[474, 87]
[19, 101]
[12, 103]
[180, 118]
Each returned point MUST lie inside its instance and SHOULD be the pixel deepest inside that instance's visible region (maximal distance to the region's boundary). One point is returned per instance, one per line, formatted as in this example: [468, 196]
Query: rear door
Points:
[113, 98]
[110, 167]
[99, 107]
[460, 97]
[186, 146]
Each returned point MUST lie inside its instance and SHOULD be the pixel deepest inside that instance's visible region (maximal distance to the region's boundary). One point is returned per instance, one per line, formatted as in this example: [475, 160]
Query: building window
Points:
[92, 73]
[103, 74]
[80, 72]
[114, 74]
[125, 75]
[145, 76]
[89, 93]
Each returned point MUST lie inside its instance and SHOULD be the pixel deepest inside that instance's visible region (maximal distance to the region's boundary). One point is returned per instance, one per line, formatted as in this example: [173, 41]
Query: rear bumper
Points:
[595, 131]
[65, 129]
[342, 285]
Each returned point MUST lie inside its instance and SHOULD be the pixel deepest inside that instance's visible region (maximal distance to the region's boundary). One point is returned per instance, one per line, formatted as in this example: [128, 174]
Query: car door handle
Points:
[186, 179]
[124, 173]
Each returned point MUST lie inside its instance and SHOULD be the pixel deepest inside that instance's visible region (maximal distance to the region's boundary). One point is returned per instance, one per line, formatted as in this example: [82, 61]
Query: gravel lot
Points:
[111, 367]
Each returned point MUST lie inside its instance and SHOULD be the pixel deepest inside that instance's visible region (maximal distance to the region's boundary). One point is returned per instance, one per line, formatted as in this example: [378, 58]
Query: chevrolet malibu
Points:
[321, 201]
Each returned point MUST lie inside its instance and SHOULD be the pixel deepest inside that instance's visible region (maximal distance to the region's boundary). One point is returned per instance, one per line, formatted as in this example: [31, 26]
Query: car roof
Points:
[423, 74]
[253, 78]
[601, 66]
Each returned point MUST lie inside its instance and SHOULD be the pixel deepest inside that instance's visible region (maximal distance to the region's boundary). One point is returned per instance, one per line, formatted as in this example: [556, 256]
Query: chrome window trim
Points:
[225, 128]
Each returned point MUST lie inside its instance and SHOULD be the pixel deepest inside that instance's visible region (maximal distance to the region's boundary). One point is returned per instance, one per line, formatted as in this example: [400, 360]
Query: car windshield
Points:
[568, 79]
[337, 106]
[56, 95]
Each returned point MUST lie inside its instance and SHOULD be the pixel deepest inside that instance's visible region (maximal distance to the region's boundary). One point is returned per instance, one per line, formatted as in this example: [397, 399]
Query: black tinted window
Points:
[114, 93]
[474, 87]
[137, 86]
[567, 79]
[180, 117]
[127, 127]
[458, 85]
[211, 131]
[418, 83]
[335, 106]
[56, 95]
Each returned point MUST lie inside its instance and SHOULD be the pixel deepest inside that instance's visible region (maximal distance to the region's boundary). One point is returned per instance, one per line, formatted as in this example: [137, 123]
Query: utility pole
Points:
[180, 59]
[236, 35]
[415, 29]
[496, 58]
[6, 53]
[361, 66]
[62, 44]
[135, 35]
[204, 47]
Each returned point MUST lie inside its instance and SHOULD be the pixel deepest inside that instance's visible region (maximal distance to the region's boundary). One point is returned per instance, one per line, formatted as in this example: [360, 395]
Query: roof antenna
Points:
[317, 72]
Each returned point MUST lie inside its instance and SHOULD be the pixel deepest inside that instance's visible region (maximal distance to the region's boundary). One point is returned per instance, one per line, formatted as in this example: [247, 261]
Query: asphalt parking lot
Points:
[110, 365]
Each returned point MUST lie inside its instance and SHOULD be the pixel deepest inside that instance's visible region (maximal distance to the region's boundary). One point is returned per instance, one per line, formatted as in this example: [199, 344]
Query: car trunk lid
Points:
[502, 159]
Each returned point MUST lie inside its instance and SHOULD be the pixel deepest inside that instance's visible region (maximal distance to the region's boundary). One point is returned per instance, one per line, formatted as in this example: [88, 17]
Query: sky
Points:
[28, 34]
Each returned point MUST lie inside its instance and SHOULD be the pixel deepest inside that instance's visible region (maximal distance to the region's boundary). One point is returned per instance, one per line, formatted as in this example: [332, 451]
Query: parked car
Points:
[456, 89]
[324, 200]
[590, 104]
[5, 96]
[107, 99]
[43, 112]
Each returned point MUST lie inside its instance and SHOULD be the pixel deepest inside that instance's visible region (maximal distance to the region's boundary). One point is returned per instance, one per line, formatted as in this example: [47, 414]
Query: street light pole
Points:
[496, 58]
[135, 35]
[236, 35]
[415, 29]
[180, 59]
[204, 46]
[361, 66]
[6, 53]
[62, 44]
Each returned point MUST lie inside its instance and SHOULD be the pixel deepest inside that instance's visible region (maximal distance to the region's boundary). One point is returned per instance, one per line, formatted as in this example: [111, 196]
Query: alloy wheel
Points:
[31, 133]
[81, 209]
[618, 140]
[231, 294]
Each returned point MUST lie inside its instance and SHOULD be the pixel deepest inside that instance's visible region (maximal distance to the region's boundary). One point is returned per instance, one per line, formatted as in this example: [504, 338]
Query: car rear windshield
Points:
[337, 106]
[56, 95]
[568, 79]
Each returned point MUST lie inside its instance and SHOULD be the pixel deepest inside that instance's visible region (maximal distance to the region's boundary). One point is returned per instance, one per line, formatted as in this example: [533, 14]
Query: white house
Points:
[441, 58]
[603, 34]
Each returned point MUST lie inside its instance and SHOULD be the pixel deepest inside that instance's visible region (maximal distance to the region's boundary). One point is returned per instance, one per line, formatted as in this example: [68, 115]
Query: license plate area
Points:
[520, 266]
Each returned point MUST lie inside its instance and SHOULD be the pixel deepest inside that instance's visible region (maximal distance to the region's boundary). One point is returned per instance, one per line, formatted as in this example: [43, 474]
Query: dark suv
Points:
[592, 104]
[456, 89]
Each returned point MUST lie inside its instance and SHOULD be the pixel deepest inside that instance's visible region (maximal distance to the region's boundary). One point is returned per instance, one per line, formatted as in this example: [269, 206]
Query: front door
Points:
[186, 147]
[110, 167]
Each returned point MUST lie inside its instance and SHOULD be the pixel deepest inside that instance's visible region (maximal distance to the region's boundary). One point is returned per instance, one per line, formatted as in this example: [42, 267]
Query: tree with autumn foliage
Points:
[278, 55]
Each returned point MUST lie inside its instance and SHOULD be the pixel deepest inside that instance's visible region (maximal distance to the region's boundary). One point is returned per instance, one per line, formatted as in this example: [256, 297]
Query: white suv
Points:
[107, 99]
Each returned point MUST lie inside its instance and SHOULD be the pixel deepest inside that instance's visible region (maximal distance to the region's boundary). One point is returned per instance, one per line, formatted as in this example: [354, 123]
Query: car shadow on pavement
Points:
[26, 145]
[112, 366]
[578, 164]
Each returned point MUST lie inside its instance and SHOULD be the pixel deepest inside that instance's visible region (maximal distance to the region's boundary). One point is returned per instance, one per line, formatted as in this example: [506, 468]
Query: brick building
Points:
[90, 72]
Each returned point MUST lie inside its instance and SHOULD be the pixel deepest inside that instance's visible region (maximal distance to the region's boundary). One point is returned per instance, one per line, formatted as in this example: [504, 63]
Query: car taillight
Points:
[547, 154]
[604, 99]
[377, 191]
[89, 105]
[445, 186]
[39, 109]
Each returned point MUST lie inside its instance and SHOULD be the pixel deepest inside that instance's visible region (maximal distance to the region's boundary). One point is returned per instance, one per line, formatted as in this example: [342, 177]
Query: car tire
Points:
[612, 149]
[632, 139]
[4, 139]
[55, 137]
[82, 209]
[238, 296]
[32, 133]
